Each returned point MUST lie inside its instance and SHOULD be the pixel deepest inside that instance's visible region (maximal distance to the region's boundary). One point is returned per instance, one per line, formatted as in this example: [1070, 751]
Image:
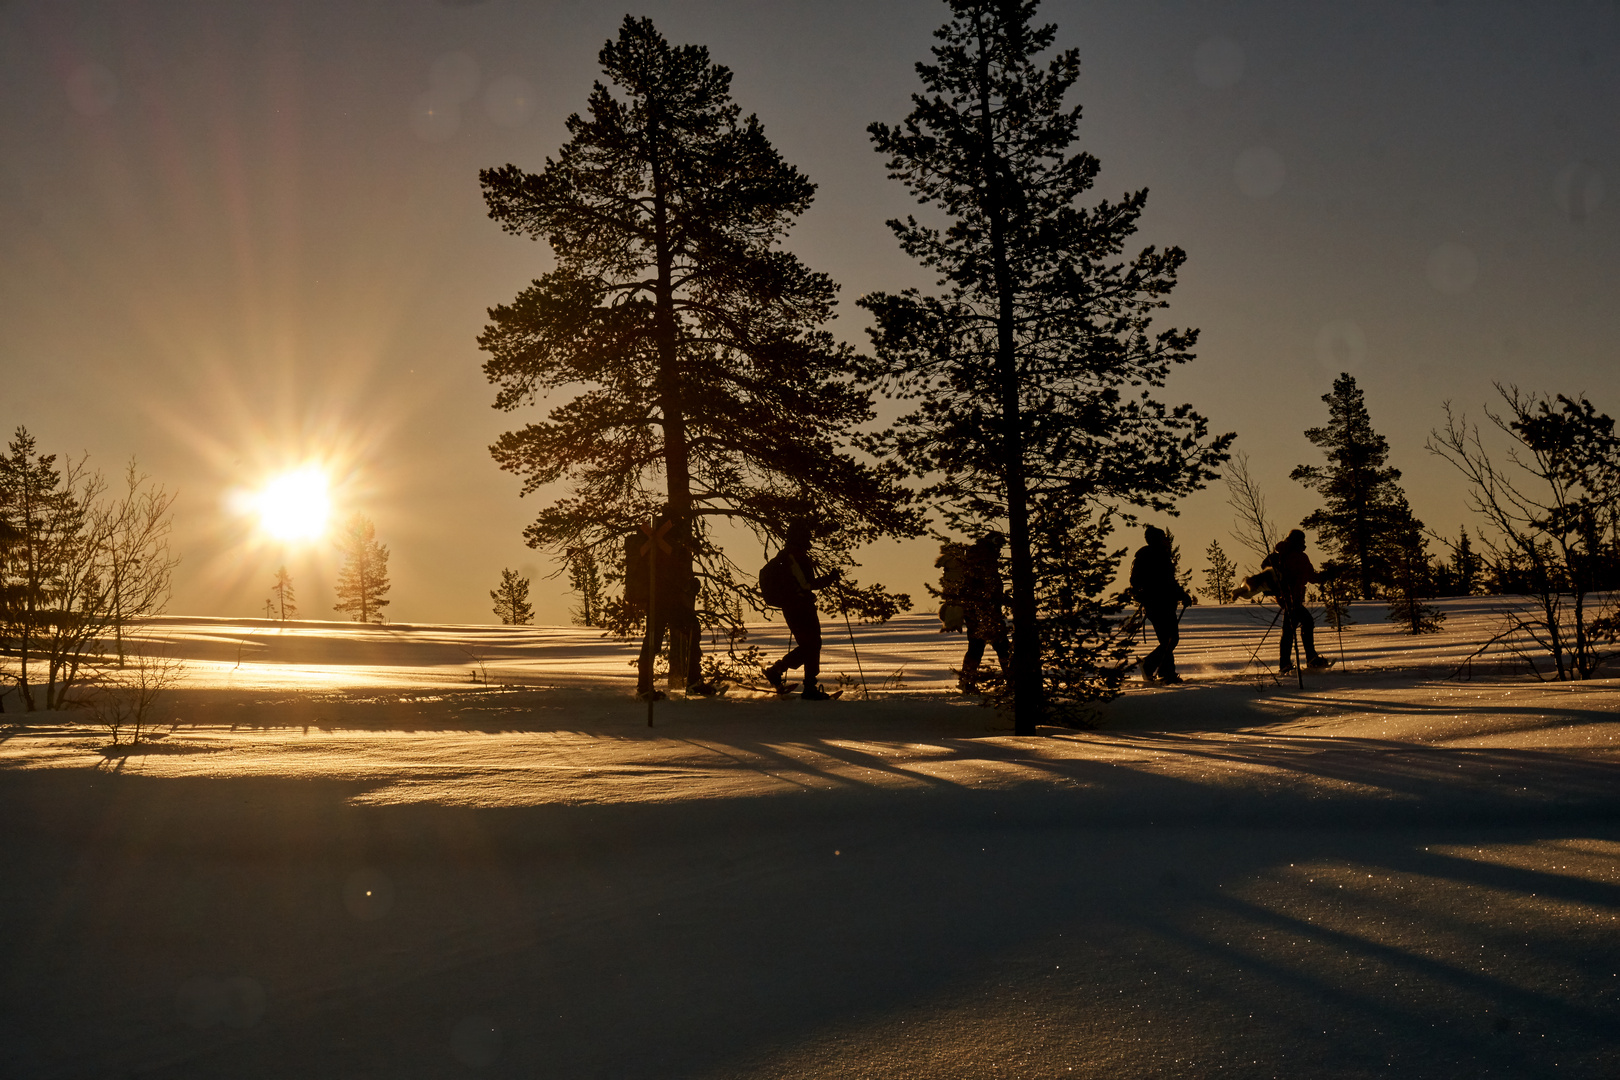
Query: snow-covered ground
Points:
[349, 857]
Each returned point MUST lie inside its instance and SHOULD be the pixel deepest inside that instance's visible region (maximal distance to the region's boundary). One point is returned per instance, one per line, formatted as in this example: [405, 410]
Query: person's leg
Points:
[1150, 662]
[970, 664]
[1164, 628]
[1003, 649]
[650, 642]
[807, 631]
[1290, 616]
[694, 659]
[1307, 635]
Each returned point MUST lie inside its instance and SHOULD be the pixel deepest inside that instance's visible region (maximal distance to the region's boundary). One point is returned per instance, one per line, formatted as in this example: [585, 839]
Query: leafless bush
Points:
[1251, 527]
[1553, 502]
[124, 698]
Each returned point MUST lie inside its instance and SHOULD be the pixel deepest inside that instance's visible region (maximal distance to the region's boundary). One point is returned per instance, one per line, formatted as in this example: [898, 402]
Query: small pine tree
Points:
[1361, 519]
[1465, 566]
[585, 578]
[512, 600]
[1411, 579]
[1220, 575]
[363, 581]
[281, 592]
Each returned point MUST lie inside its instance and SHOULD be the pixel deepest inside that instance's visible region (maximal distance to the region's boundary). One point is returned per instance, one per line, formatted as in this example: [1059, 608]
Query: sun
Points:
[295, 505]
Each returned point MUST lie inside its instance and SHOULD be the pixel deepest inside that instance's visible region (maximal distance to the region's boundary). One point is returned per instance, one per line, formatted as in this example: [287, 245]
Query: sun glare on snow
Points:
[295, 505]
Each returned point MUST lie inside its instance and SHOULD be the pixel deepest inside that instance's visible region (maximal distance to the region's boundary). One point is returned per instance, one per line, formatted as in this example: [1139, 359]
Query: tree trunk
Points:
[677, 462]
[1027, 684]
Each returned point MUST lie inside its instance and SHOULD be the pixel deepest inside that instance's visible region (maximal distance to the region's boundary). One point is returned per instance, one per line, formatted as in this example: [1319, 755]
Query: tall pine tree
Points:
[686, 342]
[1026, 370]
[1364, 517]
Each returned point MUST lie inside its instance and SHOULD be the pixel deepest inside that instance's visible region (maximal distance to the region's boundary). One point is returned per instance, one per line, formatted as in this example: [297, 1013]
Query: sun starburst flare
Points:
[295, 505]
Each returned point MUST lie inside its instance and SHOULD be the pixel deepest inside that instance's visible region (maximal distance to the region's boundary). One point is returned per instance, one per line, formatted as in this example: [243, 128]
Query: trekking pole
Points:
[866, 694]
[1263, 637]
[1299, 668]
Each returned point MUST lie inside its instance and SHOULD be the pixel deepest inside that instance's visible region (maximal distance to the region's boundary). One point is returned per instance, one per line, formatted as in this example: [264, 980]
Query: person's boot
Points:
[812, 692]
[773, 675]
[650, 694]
[701, 689]
[1318, 663]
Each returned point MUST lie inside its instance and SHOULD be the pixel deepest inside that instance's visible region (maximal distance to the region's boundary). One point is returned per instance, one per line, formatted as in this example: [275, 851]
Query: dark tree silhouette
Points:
[362, 584]
[1220, 574]
[1364, 510]
[511, 598]
[586, 579]
[76, 566]
[281, 592]
[1465, 565]
[1411, 576]
[1026, 369]
[687, 343]
[1554, 512]
[41, 516]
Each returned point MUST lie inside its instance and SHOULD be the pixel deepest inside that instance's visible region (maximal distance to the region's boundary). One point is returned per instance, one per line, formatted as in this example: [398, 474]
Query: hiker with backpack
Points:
[667, 585]
[974, 597]
[789, 582]
[1154, 586]
[1292, 570]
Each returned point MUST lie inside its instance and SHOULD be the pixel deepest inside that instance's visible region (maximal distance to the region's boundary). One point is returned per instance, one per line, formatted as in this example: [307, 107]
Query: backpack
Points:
[953, 562]
[637, 583]
[777, 585]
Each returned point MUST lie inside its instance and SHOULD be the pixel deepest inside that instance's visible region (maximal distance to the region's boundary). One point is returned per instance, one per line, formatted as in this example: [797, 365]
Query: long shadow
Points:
[722, 937]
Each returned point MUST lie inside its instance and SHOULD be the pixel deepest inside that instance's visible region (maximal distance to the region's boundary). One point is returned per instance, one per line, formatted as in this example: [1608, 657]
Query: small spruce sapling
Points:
[281, 593]
[1219, 575]
[511, 598]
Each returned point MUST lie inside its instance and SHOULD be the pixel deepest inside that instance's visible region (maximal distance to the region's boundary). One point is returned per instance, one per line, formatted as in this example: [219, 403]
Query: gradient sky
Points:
[237, 236]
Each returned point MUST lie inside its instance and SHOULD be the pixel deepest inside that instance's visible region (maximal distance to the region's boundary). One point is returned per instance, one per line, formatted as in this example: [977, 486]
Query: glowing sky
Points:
[240, 236]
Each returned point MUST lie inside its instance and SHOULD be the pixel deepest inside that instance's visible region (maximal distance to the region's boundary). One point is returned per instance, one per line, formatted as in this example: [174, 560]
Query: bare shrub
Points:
[124, 699]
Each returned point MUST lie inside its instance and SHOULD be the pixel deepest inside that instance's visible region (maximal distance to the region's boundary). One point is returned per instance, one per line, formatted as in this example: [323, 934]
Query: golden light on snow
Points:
[295, 505]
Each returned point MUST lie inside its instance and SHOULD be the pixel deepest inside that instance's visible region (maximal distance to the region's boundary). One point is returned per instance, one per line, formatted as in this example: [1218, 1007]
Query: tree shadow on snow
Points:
[1129, 919]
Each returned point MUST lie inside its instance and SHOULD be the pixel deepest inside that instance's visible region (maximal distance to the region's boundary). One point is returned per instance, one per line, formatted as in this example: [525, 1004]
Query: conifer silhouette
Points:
[362, 584]
[511, 598]
[698, 380]
[282, 594]
[1020, 370]
[1220, 574]
[1365, 517]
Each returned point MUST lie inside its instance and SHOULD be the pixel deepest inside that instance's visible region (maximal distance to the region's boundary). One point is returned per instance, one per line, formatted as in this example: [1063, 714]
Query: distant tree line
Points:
[1548, 504]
